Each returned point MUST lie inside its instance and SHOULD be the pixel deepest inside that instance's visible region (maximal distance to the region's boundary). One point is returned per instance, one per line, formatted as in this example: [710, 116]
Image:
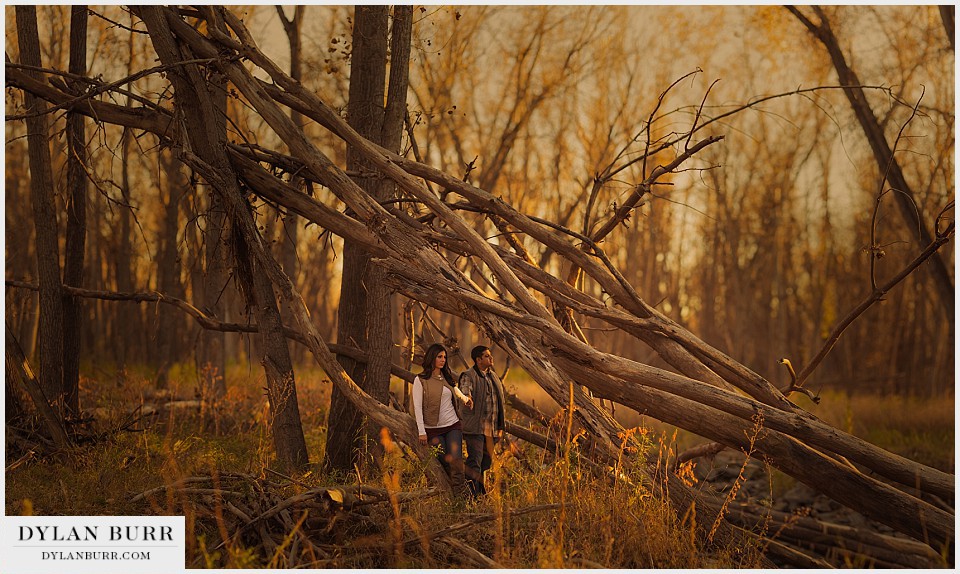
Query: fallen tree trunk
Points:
[466, 553]
[858, 541]
[803, 425]
[676, 345]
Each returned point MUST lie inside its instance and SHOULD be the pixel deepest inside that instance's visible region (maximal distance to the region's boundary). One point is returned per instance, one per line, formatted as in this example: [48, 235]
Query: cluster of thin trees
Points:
[538, 179]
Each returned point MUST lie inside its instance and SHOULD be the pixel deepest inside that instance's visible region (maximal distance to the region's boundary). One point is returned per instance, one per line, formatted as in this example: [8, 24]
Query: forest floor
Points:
[214, 463]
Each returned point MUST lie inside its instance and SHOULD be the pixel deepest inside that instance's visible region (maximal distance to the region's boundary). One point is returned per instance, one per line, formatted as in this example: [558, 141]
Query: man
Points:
[483, 419]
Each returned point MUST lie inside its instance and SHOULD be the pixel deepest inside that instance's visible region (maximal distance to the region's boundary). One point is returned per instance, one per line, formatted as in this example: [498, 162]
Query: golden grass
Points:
[600, 523]
[921, 429]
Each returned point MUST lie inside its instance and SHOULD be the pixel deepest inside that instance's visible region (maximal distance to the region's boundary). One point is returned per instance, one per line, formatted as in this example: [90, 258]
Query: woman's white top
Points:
[448, 415]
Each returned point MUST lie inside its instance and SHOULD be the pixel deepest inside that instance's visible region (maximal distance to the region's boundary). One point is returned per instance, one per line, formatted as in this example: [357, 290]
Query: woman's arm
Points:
[418, 408]
[463, 398]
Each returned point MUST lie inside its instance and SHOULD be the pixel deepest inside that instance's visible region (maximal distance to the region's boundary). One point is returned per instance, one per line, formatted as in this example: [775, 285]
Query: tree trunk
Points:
[45, 217]
[194, 98]
[18, 370]
[169, 335]
[285, 423]
[364, 315]
[948, 14]
[76, 218]
[212, 357]
[291, 222]
[126, 330]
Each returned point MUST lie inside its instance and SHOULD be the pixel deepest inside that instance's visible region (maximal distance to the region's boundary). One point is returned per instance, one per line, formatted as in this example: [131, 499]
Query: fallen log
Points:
[685, 498]
[254, 504]
[785, 526]
[868, 496]
[459, 526]
[809, 429]
[792, 556]
[346, 497]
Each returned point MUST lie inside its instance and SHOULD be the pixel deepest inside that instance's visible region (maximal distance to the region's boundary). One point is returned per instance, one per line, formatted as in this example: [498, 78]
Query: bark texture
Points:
[170, 338]
[50, 334]
[76, 218]
[364, 316]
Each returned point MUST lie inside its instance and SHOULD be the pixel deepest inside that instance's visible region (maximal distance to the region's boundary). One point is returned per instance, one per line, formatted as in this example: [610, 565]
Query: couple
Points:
[441, 424]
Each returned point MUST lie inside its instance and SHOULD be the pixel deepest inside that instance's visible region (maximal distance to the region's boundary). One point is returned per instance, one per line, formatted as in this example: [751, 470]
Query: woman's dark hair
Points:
[430, 357]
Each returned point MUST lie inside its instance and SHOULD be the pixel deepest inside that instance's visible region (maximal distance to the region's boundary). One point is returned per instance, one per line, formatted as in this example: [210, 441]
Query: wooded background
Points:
[761, 252]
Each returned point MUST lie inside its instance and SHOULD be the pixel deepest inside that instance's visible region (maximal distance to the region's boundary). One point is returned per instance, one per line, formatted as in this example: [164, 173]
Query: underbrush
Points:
[543, 510]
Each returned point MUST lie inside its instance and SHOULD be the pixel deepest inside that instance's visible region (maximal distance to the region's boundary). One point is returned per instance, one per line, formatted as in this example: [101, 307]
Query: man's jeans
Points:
[479, 459]
[451, 455]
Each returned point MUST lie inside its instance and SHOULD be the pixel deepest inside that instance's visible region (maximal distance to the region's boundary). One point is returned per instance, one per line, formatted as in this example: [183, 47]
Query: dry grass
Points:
[921, 429]
[598, 523]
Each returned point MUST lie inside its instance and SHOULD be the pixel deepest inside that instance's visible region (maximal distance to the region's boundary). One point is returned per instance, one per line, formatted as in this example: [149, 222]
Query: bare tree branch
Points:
[98, 89]
[877, 295]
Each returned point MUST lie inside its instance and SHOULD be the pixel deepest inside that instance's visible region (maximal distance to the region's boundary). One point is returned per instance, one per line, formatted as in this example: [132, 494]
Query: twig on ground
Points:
[468, 553]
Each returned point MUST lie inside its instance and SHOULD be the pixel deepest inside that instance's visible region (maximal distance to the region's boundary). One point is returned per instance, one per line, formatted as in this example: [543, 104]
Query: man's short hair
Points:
[477, 351]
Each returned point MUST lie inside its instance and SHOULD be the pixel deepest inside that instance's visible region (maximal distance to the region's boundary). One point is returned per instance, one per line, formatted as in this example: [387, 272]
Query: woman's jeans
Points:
[451, 456]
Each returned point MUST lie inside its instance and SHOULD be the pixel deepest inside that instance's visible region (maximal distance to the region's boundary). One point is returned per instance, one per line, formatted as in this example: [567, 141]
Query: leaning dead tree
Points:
[527, 312]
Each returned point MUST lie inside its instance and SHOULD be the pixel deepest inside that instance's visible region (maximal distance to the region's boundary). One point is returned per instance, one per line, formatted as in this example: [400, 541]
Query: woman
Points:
[436, 414]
